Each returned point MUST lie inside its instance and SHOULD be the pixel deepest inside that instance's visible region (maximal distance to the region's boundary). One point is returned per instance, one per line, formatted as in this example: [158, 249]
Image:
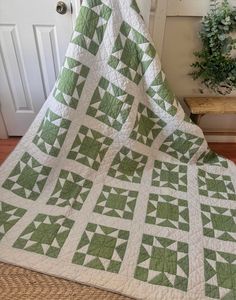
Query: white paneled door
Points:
[33, 42]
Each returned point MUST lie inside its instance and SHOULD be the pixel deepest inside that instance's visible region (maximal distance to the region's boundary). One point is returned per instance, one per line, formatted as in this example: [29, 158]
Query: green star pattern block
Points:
[132, 53]
[89, 147]
[170, 176]
[70, 83]
[181, 145]
[215, 186]
[71, 190]
[211, 158]
[28, 178]
[163, 262]
[110, 104]
[46, 235]
[128, 165]
[101, 248]
[147, 126]
[90, 37]
[116, 202]
[161, 94]
[219, 222]
[9, 216]
[52, 133]
[167, 211]
[220, 275]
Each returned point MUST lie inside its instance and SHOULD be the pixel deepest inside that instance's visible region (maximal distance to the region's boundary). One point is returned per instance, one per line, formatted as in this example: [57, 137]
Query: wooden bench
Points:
[199, 106]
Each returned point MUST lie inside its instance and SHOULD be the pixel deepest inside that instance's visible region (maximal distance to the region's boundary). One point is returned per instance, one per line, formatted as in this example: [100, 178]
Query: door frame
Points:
[158, 23]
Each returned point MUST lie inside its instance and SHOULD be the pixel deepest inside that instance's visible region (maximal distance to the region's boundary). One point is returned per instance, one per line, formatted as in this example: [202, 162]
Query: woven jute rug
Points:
[21, 284]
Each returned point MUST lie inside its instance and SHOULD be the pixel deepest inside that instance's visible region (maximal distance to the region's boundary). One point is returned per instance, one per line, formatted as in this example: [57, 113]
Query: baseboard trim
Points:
[221, 137]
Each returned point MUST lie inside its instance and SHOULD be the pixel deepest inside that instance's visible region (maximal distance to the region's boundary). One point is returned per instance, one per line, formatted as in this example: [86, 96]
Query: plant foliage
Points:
[215, 65]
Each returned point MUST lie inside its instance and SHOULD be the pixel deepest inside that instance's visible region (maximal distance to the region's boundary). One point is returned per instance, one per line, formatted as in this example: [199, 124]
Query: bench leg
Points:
[196, 118]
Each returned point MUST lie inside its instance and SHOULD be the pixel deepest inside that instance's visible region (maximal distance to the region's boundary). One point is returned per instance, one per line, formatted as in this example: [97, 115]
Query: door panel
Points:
[33, 41]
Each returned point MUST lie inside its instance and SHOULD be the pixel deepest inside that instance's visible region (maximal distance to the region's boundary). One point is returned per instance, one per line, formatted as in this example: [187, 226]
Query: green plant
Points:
[215, 65]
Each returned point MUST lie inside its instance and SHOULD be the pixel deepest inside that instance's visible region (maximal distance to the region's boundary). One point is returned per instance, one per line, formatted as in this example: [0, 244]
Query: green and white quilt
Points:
[113, 186]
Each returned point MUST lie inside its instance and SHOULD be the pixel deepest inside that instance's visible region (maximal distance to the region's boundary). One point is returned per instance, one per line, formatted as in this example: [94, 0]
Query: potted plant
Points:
[216, 65]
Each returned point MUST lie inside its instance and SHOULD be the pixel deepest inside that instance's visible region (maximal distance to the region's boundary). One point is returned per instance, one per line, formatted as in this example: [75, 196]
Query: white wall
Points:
[181, 27]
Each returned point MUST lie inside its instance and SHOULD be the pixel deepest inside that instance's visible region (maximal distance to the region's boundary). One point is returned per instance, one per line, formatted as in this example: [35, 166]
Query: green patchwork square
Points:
[28, 178]
[110, 104]
[163, 262]
[9, 216]
[160, 92]
[182, 146]
[116, 202]
[45, 235]
[219, 222]
[211, 158]
[71, 190]
[220, 274]
[147, 126]
[89, 147]
[52, 133]
[215, 186]
[168, 175]
[70, 83]
[128, 165]
[101, 248]
[167, 211]
[90, 36]
[132, 53]
[135, 6]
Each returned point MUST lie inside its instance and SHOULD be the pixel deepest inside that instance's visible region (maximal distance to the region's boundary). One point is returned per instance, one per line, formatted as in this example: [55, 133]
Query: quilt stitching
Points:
[220, 274]
[71, 190]
[167, 211]
[90, 37]
[170, 175]
[182, 146]
[28, 178]
[110, 104]
[163, 262]
[161, 94]
[116, 202]
[70, 83]
[219, 222]
[9, 216]
[215, 185]
[132, 53]
[101, 248]
[89, 147]
[147, 126]
[211, 158]
[128, 165]
[52, 133]
[45, 235]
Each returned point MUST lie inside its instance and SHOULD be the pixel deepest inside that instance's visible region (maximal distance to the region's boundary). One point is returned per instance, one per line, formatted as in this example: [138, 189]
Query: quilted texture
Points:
[113, 186]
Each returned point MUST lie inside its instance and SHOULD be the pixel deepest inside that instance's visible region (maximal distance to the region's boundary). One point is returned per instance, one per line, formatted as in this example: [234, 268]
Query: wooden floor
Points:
[228, 150]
